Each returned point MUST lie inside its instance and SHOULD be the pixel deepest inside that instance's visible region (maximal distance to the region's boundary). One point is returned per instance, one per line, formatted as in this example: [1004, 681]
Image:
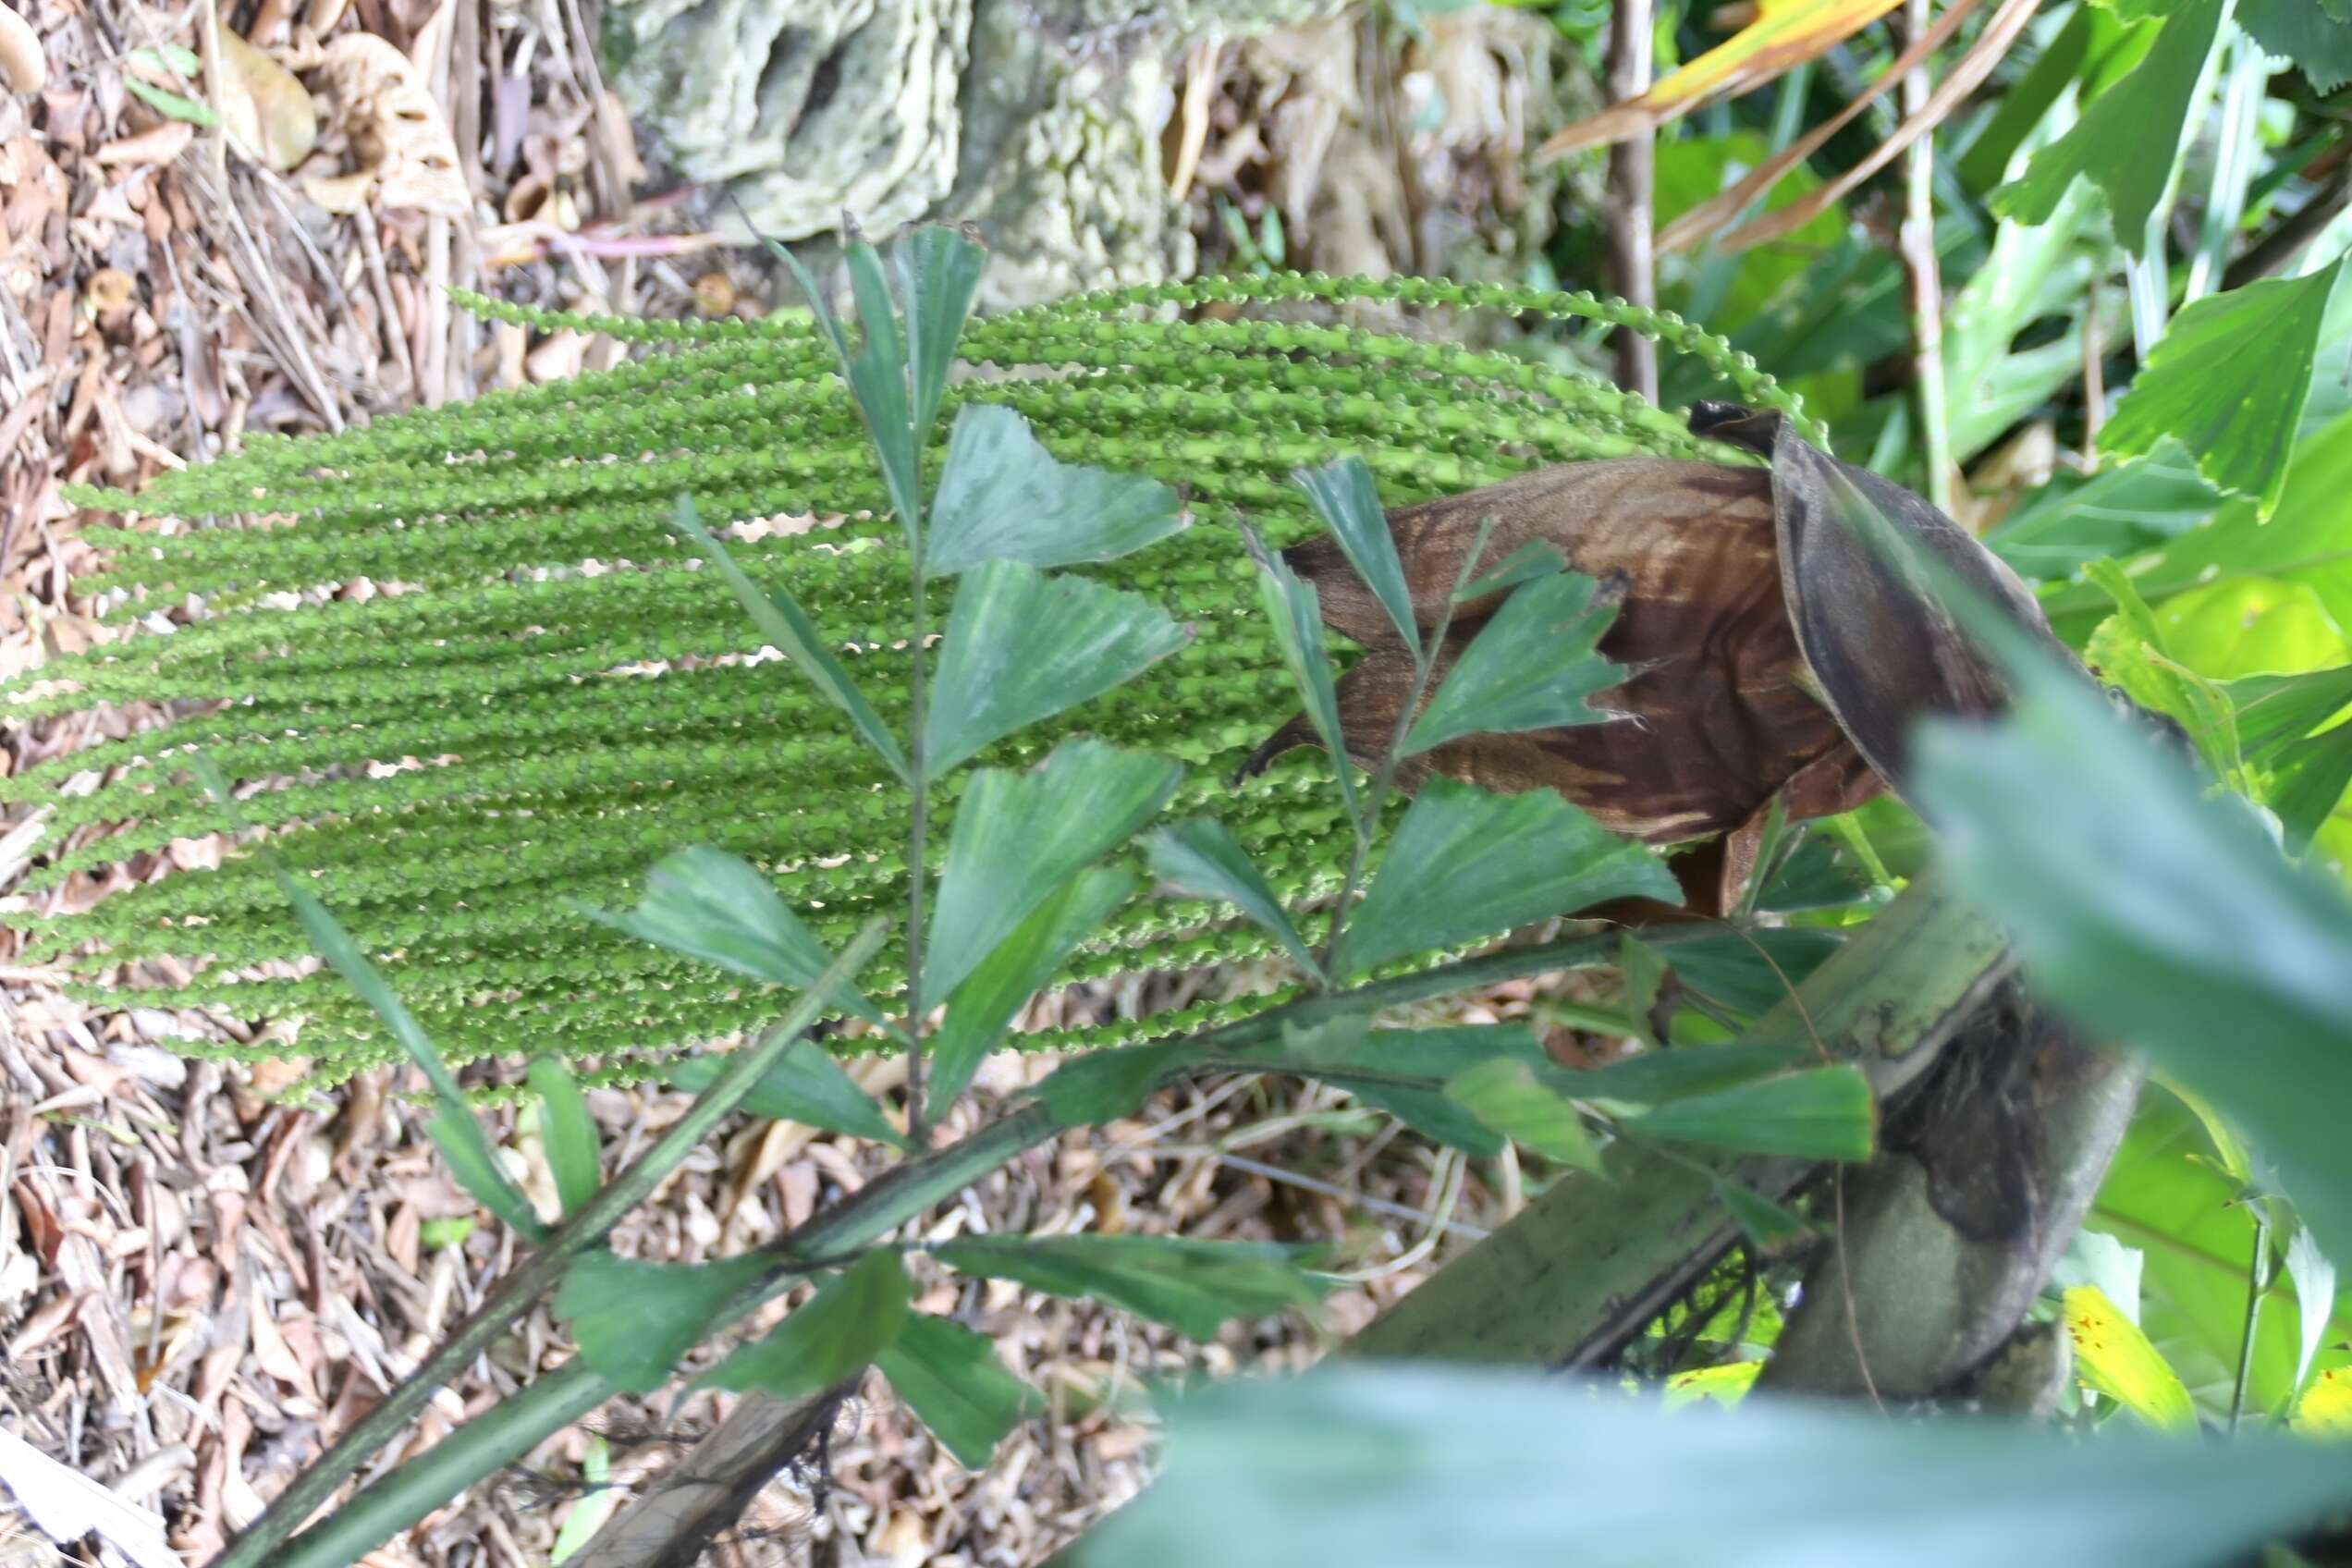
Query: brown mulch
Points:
[201, 1285]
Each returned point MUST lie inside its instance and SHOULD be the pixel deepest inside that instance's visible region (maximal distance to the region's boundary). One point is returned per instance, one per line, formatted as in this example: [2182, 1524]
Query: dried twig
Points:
[1967, 73]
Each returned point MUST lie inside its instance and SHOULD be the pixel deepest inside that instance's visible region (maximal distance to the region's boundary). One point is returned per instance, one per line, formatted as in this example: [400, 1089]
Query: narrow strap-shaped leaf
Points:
[938, 270]
[1198, 856]
[454, 1128]
[878, 377]
[950, 1377]
[1195, 1287]
[1018, 836]
[1348, 503]
[781, 620]
[803, 1084]
[1505, 1095]
[1297, 615]
[567, 1132]
[1021, 965]
[1823, 1113]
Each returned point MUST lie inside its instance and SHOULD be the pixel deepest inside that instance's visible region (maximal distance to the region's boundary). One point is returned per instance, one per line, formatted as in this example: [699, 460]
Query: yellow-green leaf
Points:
[2113, 1357]
[2325, 1409]
[1784, 33]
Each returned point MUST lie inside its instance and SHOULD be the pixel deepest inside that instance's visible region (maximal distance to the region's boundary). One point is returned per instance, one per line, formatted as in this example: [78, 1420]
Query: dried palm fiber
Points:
[540, 695]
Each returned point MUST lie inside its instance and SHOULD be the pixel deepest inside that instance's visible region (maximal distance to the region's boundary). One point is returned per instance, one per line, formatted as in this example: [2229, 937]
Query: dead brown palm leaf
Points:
[1722, 208]
[1784, 33]
[1774, 656]
[1967, 74]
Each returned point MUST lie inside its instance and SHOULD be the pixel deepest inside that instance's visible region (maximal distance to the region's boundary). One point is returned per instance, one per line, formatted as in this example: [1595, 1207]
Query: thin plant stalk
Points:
[2256, 1284]
[918, 839]
[516, 1426]
[544, 1271]
[1631, 217]
[1923, 276]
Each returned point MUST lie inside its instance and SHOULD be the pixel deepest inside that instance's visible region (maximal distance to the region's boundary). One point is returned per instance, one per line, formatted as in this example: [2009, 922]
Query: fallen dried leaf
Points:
[264, 109]
[398, 131]
[22, 66]
[159, 144]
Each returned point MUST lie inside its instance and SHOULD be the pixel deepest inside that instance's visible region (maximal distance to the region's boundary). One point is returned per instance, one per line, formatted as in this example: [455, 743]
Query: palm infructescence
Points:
[533, 707]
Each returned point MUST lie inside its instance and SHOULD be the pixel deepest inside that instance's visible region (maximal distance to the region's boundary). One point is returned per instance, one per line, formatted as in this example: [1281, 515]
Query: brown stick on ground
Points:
[1629, 218]
[683, 1512]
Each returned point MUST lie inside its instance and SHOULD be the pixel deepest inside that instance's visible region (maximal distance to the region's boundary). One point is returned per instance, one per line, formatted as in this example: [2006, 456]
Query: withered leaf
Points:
[1883, 650]
[1719, 717]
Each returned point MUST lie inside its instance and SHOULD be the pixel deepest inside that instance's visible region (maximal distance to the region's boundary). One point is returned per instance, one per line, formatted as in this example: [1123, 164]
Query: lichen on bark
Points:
[1039, 120]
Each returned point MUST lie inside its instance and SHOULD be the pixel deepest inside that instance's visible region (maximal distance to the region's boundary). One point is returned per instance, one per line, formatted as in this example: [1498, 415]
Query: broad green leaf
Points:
[1295, 613]
[1105, 1086]
[938, 270]
[1533, 666]
[1021, 966]
[2114, 1356]
[850, 1321]
[2167, 1196]
[1822, 1113]
[1198, 856]
[803, 1084]
[1505, 1095]
[1004, 497]
[2252, 626]
[2161, 918]
[1195, 1287]
[1399, 1466]
[2302, 30]
[1018, 836]
[1348, 503]
[2275, 712]
[2127, 141]
[1021, 647]
[567, 1131]
[2229, 380]
[1465, 864]
[781, 620]
[635, 1321]
[1762, 1221]
[950, 1377]
[878, 378]
[453, 1128]
[2119, 511]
